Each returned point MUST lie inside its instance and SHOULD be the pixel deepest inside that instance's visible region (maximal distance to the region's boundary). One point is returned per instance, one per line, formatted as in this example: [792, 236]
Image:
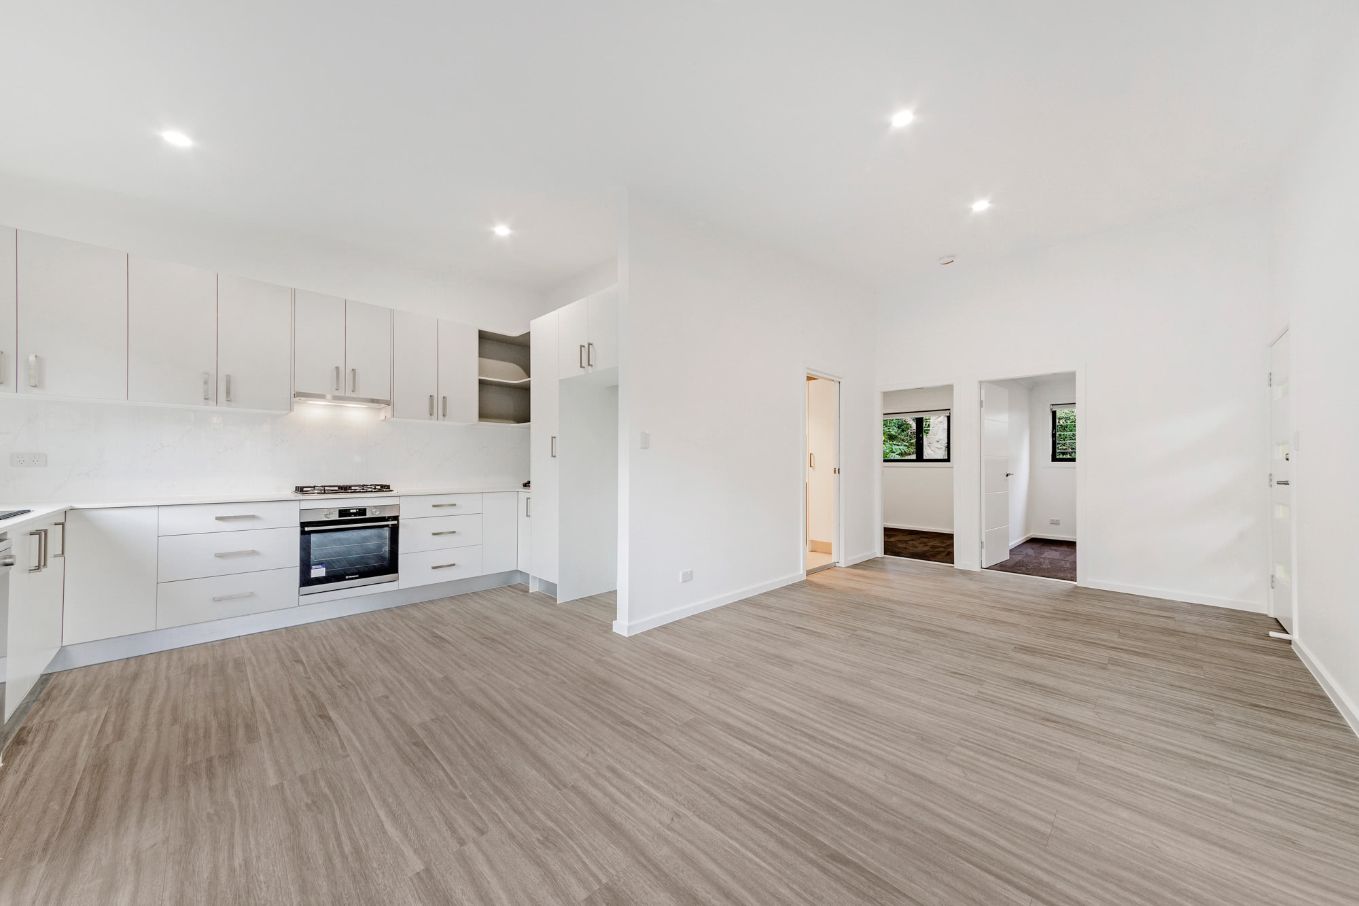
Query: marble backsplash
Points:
[114, 451]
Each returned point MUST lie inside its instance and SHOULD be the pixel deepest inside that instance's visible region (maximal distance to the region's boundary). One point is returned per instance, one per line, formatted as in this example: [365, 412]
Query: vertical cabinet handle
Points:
[528, 507]
[41, 535]
[431, 405]
[228, 388]
[580, 357]
[445, 407]
[337, 378]
[590, 354]
[207, 392]
[553, 446]
[33, 370]
[353, 380]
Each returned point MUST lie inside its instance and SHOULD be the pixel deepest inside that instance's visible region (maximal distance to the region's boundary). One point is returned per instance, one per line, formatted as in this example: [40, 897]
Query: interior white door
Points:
[995, 449]
[254, 344]
[9, 310]
[458, 401]
[318, 344]
[72, 319]
[171, 333]
[544, 403]
[1280, 484]
[823, 420]
[368, 351]
[415, 366]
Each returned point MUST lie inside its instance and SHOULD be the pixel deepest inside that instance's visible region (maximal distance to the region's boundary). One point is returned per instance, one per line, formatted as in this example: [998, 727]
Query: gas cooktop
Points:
[313, 490]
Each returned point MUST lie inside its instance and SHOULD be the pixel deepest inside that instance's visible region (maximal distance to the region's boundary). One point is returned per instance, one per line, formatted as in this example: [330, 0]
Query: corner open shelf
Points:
[503, 378]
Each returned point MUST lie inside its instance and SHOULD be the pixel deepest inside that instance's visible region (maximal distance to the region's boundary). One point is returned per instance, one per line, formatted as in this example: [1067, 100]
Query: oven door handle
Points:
[308, 529]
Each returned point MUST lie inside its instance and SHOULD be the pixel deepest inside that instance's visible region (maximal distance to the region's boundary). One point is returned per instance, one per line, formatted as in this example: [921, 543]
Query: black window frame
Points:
[920, 436]
[1053, 434]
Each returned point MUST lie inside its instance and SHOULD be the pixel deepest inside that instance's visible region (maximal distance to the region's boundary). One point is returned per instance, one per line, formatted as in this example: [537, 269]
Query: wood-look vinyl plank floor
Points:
[899, 732]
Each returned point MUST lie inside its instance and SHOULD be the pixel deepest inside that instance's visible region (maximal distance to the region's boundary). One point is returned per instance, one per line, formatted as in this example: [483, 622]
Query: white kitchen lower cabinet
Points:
[422, 505]
[525, 519]
[110, 573]
[440, 532]
[499, 532]
[430, 567]
[223, 553]
[34, 631]
[220, 597]
[198, 518]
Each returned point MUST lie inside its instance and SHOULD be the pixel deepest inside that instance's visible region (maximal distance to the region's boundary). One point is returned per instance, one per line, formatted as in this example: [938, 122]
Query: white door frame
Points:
[1082, 433]
[838, 535]
[879, 519]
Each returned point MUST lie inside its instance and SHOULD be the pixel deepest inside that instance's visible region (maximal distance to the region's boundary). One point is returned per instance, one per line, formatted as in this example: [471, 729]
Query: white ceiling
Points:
[407, 128]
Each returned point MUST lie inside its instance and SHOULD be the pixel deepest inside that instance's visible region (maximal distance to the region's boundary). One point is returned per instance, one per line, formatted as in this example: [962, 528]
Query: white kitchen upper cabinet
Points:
[457, 372]
[318, 344]
[254, 344]
[368, 351]
[72, 301]
[110, 573]
[602, 346]
[171, 333]
[9, 311]
[415, 366]
[543, 443]
[573, 337]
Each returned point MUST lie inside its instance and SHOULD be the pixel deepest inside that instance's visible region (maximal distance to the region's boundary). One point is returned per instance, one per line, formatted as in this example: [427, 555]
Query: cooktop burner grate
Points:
[317, 489]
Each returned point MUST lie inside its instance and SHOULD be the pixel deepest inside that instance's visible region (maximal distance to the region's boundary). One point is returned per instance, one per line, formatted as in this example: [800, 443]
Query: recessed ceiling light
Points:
[502, 230]
[981, 204]
[176, 138]
[902, 118]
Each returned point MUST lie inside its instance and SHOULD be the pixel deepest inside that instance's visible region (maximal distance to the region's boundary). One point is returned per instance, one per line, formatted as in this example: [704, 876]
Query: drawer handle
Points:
[240, 516]
[449, 532]
[235, 597]
[438, 506]
[235, 553]
[444, 566]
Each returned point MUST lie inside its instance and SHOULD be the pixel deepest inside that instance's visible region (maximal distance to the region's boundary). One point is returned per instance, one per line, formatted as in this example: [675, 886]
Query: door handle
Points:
[337, 378]
[228, 388]
[207, 393]
[225, 554]
[1283, 481]
[441, 506]
[1009, 474]
[353, 380]
[528, 507]
[448, 532]
[431, 405]
[580, 358]
[553, 446]
[236, 597]
[41, 535]
[590, 354]
[444, 566]
[445, 407]
[33, 370]
[811, 460]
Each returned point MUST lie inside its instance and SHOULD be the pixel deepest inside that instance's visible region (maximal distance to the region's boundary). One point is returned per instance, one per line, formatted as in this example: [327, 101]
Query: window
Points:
[915, 437]
[1064, 432]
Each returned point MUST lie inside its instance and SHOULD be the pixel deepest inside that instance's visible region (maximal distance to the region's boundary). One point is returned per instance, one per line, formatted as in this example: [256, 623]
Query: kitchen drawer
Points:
[439, 505]
[227, 517]
[429, 567]
[219, 597]
[439, 532]
[225, 553]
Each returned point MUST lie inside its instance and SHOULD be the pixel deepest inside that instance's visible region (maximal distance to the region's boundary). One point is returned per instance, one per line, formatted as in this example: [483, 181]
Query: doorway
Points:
[1028, 476]
[1280, 485]
[821, 487]
[917, 474]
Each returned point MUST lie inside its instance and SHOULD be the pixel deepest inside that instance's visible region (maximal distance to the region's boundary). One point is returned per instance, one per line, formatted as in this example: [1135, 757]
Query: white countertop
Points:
[46, 510]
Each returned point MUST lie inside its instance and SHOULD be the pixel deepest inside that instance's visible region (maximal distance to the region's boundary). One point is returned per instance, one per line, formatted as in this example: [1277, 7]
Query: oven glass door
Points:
[344, 554]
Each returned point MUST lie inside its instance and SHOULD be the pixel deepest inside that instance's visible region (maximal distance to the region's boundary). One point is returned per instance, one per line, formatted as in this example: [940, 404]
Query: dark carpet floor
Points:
[1042, 557]
[937, 547]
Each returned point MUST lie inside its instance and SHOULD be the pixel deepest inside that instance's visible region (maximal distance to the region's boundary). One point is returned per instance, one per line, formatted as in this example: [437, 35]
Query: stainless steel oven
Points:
[347, 546]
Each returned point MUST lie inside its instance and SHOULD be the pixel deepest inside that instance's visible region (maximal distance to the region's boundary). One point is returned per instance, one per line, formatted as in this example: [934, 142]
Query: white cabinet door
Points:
[429, 567]
[110, 573]
[204, 518]
[222, 597]
[415, 366]
[573, 337]
[524, 557]
[225, 553]
[420, 506]
[171, 333]
[254, 344]
[368, 351]
[34, 629]
[72, 301]
[437, 533]
[457, 372]
[499, 532]
[601, 349]
[9, 310]
[543, 430]
[318, 344]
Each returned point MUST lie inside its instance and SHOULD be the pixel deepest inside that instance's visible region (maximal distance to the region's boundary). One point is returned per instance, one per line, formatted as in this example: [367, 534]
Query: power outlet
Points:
[686, 575]
[28, 460]
[1054, 522]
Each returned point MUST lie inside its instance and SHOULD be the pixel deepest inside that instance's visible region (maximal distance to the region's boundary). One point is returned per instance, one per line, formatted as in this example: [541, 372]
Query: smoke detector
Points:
[946, 260]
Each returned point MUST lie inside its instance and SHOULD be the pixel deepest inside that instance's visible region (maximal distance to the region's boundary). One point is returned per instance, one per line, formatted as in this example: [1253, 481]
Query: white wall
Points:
[1317, 295]
[1163, 324]
[821, 432]
[717, 332]
[586, 283]
[100, 452]
[918, 495]
[1051, 485]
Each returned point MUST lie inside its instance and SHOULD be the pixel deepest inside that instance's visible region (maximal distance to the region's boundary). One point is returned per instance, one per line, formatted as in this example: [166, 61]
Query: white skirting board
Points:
[104, 650]
[1169, 594]
[1348, 710]
[918, 528]
[688, 610]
